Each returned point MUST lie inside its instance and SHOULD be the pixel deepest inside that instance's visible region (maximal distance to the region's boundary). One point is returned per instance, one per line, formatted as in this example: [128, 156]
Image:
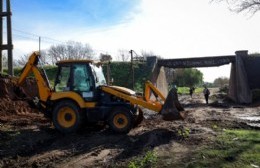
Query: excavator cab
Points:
[82, 77]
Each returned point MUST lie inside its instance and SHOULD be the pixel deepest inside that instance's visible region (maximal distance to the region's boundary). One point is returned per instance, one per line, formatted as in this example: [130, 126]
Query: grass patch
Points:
[186, 90]
[149, 160]
[234, 148]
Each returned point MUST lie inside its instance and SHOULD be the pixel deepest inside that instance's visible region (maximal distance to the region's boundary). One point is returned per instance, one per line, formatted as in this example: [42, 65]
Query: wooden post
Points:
[132, 69]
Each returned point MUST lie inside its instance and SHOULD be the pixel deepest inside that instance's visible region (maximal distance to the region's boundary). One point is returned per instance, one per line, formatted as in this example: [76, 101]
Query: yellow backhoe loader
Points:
[80, 95]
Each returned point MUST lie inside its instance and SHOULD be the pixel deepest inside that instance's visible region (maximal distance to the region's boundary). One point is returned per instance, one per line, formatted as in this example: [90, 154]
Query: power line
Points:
[25, 32]
[34, 38]
[23, 37]
[36, 35]
[44, 39]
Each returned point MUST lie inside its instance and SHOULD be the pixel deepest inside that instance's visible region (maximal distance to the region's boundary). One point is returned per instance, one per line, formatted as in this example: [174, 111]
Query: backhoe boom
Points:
[169, 107]
[41, 78]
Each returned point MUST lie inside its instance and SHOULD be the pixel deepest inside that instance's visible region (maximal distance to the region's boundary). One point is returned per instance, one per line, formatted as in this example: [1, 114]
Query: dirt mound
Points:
[13, 99]
[7, 85]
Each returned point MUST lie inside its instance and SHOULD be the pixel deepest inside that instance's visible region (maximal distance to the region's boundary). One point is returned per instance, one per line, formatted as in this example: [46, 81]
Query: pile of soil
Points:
[14, 99]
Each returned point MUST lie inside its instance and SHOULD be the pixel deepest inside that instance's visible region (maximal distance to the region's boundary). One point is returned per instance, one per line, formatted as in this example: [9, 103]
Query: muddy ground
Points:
[27, 139]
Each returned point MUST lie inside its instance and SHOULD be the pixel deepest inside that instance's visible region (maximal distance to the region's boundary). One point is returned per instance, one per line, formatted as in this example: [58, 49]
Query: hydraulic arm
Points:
[169, 107]
[40, 76]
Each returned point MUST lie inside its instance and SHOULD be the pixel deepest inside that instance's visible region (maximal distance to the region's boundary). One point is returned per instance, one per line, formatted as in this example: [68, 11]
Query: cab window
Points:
[62, 80]
[82, 79]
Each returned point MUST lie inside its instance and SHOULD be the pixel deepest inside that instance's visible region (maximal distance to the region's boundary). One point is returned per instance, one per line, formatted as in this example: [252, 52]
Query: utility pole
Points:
[1, 38]
[132, 68]
[9, 45]
[9, 39]
[40, 45]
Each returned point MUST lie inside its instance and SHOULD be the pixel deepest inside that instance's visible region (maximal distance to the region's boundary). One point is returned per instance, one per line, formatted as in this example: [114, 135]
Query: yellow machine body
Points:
[70, 105]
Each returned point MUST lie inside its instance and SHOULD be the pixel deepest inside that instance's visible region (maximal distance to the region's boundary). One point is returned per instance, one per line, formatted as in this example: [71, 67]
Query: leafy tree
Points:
[221, 81]
[188, 77]
[169, 73]
[70, 50]
[238, 6]
[256, 54]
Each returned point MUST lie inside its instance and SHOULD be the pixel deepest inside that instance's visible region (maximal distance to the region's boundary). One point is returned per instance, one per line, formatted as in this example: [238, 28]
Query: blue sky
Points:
[70, 13]
[169, 28]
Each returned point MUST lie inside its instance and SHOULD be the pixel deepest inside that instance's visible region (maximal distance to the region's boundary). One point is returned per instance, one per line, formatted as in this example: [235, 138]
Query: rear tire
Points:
[67, 117]
[121, 120]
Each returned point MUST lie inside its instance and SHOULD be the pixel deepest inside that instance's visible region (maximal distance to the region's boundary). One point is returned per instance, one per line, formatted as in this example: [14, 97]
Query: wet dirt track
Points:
[27, 139]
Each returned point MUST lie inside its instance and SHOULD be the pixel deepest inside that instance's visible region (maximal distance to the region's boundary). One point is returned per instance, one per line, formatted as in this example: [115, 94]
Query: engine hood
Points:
[123, 89]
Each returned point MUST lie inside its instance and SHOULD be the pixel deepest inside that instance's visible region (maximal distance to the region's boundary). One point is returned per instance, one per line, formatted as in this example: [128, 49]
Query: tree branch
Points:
[239, 6]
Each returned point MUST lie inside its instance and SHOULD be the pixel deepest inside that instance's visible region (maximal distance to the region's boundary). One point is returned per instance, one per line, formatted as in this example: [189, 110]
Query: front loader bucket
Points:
[172, 109]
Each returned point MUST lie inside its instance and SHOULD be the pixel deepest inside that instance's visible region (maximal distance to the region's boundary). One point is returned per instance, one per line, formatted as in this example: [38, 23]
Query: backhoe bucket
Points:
[172, 109]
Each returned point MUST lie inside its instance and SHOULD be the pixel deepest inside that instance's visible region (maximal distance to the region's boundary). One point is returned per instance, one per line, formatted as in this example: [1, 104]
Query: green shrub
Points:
[149, 160]
[183, 132]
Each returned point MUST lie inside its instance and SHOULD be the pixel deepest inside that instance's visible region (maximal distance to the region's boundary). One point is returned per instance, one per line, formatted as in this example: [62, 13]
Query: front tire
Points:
[67, 117]
[121, 120]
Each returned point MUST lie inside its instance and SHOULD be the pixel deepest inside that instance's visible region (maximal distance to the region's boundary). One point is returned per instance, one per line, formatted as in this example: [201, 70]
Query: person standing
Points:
[191, 91]
[206, 93]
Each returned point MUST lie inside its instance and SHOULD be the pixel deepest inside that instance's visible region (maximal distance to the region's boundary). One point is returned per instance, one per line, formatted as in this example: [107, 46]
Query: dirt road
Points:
[27, 139]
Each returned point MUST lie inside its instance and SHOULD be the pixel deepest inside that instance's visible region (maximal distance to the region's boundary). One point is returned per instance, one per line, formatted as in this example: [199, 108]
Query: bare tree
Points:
[44, 57]
[24, 59]
[238, 6]
[123, 55]
[4, 61]
[70, 50]
[147, 53]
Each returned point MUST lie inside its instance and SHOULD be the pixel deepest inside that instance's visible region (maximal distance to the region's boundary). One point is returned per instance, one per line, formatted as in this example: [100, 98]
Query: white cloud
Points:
[176, 29]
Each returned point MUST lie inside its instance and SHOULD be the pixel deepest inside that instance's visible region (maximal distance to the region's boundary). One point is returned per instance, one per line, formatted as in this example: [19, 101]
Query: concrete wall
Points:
[252, 66]
[157, 75]
[244, 77]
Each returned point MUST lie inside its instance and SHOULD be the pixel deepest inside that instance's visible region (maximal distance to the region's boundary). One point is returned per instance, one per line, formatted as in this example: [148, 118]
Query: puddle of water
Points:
[250, 118]
[254, 125]
[253, 121]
